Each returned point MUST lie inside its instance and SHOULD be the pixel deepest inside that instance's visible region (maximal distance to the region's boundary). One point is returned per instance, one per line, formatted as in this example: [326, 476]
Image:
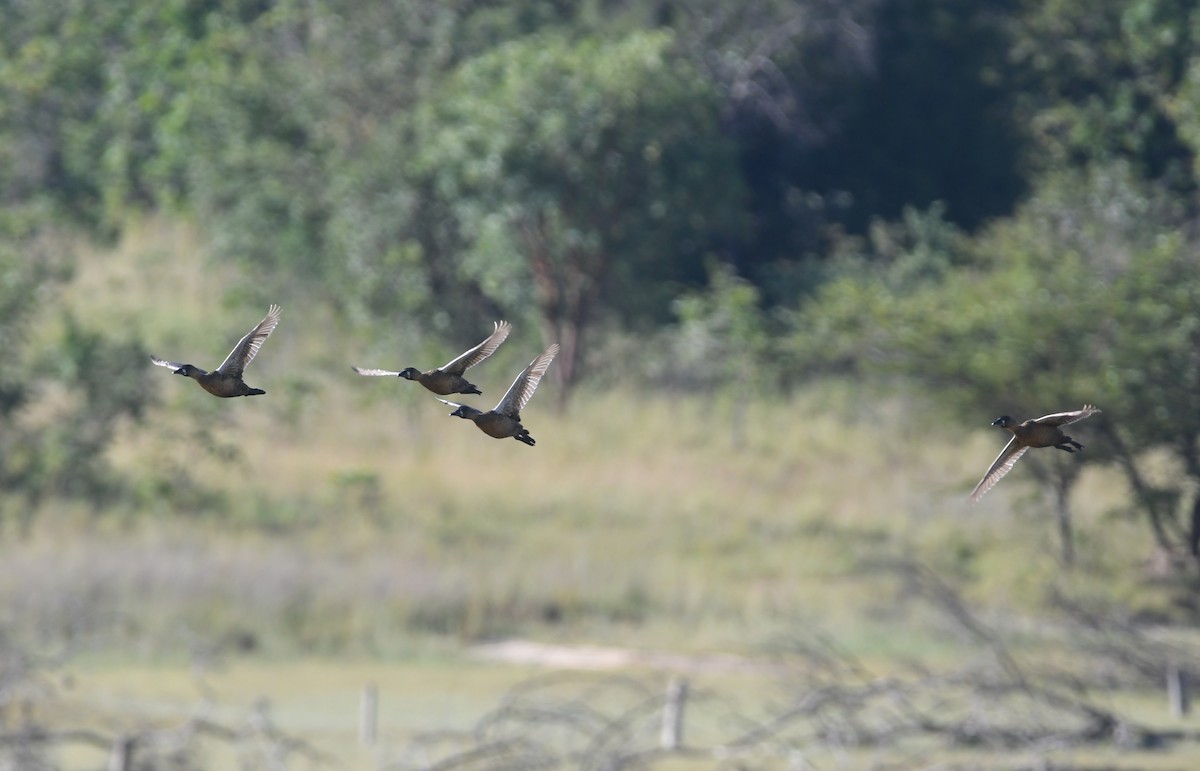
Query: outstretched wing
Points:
[1011, 453]
[1065, 418]
[375, 372]
[470, 358]
[526, 383]
[164, 363]
[243, 353]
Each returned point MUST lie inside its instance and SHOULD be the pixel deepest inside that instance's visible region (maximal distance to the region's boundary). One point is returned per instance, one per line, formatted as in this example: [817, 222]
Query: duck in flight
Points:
[504, 420]
[448, 378]
[226, 380]
[1035, 432]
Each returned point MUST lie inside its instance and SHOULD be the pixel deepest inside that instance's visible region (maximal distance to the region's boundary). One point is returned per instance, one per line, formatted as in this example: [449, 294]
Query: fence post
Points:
[1178, 697]
[368, 715]
[121, 757]
[671, 737]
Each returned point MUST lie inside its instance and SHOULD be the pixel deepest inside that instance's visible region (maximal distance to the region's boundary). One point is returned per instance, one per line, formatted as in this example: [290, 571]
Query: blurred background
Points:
[798, 255]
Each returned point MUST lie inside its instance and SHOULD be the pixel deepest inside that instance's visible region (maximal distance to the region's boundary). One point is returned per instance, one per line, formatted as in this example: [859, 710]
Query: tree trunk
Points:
[1192, 463]
[1141, 490]
[1060, 475]
[1066, 531]
[1194, 530]
[568, 286]
[1194, 527]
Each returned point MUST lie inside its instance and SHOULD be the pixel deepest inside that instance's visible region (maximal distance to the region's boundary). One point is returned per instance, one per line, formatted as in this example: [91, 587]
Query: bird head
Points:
[463, 411]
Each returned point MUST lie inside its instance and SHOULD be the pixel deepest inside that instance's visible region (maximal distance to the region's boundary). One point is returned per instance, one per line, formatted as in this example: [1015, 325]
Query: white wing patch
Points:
[375, 372]
[165, 363]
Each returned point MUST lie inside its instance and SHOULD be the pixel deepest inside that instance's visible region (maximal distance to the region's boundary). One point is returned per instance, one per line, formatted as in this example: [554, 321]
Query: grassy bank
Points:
[342, 530]
[342, 513]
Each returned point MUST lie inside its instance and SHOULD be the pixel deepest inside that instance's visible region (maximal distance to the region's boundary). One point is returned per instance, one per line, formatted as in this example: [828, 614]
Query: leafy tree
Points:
[50, 88]
[244, 138]
[59, 403]
[1080, 298]
[573, 176]
[61, 398]
[276, 134]
[85, 89]
[1150, 365]
[63, 448]
[26, 269]
[1099, 82]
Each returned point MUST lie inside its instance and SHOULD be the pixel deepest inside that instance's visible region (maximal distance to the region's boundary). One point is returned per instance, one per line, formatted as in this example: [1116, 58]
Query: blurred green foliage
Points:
[1100, 81]
[578, 175]
[994, 200]
[62, 398]
[1078, 298]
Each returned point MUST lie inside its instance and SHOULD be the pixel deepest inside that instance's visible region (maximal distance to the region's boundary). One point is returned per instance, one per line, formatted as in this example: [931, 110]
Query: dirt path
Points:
[601, 658]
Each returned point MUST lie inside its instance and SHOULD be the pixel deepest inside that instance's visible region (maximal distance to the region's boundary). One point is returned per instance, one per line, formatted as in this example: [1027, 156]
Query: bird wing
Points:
[1004, 462]
[165, 363]
[459, 364]
[243, 353]
[1064, 418]
[375, 372]
[526, 383]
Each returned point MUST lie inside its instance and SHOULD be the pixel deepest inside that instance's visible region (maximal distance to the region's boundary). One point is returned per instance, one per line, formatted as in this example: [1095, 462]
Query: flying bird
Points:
[504, 420]
[226, 380]
[448, 378]
[1035, 432]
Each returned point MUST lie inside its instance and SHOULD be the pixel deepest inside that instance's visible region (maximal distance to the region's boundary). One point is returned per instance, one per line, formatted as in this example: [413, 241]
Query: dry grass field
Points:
[343, 530]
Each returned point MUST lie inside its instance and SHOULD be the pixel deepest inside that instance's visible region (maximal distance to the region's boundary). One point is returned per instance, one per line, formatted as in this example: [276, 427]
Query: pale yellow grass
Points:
[630, 495]
[638, 519]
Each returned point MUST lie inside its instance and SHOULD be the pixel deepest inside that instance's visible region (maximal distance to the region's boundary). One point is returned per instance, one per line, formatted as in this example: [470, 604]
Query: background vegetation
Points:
[798, 254]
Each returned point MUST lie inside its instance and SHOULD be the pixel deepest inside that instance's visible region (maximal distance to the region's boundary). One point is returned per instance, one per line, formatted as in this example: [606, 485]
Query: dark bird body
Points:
[1035, 432]
[226, 380]
[449, 378]
[504, 420]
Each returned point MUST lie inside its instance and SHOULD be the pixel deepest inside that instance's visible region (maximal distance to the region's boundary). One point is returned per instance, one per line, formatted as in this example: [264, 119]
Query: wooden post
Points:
[121, 757]
[671, 737]
[368, 715]
[1178, 698]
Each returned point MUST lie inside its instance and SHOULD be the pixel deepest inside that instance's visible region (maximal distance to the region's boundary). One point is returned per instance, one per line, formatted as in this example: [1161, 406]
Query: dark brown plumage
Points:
[1035, 432]
[448, 378]
[226, 380]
